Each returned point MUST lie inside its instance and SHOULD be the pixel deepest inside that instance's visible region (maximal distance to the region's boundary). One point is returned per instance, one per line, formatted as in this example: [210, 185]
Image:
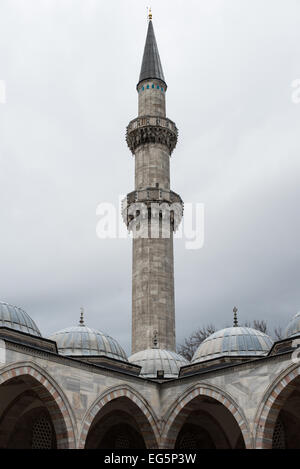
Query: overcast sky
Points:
[70, 68]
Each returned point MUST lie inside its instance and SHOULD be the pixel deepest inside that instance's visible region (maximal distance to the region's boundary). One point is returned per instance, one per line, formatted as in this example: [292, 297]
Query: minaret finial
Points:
[81, 322]
[149, 14]
[235, 319]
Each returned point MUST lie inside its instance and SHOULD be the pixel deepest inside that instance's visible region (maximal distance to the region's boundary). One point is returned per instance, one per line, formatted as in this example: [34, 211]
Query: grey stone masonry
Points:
[153, 293]
[152, 98]
[75, 392]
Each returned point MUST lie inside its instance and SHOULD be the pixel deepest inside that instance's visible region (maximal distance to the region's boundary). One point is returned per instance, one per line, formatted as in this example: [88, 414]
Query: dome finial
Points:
[235, 319]
[149, 14]
[81, 322]
[155, 339]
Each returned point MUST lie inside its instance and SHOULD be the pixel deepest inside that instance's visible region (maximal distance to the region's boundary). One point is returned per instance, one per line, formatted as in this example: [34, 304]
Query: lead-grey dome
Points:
[154, 359]
[82, 340]
[233, 341]
[293, 327]
[16, 318]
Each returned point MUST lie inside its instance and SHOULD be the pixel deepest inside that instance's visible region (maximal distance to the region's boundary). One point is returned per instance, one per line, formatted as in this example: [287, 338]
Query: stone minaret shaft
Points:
[152, 138]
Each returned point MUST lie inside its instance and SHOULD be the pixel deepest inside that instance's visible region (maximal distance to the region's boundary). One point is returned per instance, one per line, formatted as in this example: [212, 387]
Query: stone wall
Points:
[79, 391]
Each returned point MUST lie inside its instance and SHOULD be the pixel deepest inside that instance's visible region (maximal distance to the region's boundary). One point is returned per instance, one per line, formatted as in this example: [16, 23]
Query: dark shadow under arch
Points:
[205, 418]
[119, 424]
[30, 402]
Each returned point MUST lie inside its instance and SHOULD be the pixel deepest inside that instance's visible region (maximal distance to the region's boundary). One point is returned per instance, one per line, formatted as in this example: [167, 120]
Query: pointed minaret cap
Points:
[151, 64]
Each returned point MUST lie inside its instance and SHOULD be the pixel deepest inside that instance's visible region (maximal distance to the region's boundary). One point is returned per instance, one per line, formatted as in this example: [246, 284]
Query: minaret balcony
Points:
[150, 129]
[152, 203]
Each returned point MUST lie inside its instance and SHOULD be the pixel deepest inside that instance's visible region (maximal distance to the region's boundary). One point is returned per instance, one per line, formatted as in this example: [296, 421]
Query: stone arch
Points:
[272, 403]
[144, 414]
[20, 428]
[50, 394]
[179, 410]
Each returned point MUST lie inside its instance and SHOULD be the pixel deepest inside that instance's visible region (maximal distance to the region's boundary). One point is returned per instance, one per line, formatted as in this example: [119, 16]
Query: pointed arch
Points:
[273, 401]
[144, 414]
[50, 394]
[179, 410]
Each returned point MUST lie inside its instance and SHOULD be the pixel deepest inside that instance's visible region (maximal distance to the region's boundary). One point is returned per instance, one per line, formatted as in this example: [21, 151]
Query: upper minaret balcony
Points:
[151, 86]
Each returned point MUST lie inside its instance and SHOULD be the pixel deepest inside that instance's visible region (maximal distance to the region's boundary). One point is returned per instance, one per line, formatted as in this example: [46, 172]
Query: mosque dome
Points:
[155, 359]
[82, 340]
[235, 342]
[293, 327]
[16, 318]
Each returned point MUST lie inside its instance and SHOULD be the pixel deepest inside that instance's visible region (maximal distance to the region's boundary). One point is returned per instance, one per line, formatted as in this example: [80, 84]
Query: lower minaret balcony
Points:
[152, 204]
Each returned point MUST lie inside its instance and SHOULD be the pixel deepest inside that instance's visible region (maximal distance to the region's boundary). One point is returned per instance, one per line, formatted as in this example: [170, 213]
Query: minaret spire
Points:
[151, 64]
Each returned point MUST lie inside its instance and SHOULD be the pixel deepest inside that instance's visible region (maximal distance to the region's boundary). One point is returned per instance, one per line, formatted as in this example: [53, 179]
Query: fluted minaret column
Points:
[152, 138]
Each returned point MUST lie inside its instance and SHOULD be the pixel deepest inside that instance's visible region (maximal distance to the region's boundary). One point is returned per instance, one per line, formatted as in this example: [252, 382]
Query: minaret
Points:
[152, 212]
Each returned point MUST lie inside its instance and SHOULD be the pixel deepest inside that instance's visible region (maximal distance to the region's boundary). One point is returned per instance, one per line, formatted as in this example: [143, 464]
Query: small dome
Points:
[233, 341]
[293, 327]
[154, 359]
[16, 318]
[82, 340]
